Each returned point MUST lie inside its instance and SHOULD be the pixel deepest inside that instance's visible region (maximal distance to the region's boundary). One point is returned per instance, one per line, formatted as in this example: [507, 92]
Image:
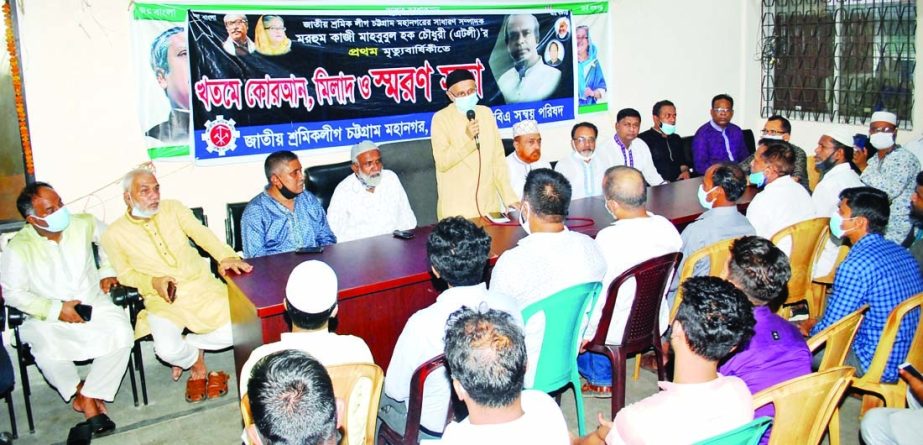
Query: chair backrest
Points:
[643, 326]
[837, 338]
[749, 142]
[322, 180]
[717, 254]
[245, 412]
[813, 173]
[508, 147]
[199, 214]
[232, 225]
[564, 313]
[889, 334]
[805, 237]
[413, 163]
[747, 434]
[359, 386]
[804, 405]
[415, 400]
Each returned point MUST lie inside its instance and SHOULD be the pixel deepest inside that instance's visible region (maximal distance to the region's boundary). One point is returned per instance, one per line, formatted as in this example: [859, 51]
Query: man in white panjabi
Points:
[832, 159]
[528, 154]
[47, 269]
[371, 201]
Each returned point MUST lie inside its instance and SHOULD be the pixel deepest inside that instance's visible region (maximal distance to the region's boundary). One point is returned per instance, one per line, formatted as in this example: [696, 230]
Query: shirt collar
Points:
[537, 237]
[779, 181]
[719, 211]
[462, 291]
[717, 127]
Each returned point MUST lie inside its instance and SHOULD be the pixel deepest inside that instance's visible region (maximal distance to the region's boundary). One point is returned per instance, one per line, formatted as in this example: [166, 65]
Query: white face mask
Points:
[581, 157]
[606, 203]
[882, 141]
[138, 212]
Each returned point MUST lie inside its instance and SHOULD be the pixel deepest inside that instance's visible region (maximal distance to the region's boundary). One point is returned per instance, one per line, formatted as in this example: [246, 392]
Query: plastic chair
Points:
[821, 285]
[806, 237]
[642, 329]
[893, 394]
[245, 412]
[359, 386]
[748, 434]
[837, 339]
[387, 435]
[804, 405]
[813, 173]
[717, 254]
[557, 362]
[232, 225]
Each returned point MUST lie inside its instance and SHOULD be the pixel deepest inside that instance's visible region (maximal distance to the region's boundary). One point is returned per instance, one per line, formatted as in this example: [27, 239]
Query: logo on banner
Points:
[220, 135]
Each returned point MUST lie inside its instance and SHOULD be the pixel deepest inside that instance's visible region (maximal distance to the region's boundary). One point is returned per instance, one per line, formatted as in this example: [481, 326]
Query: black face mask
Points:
[825, 165]
[288, 194]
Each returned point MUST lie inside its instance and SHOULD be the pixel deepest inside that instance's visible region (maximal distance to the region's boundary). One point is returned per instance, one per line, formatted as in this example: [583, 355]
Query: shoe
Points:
[596, 391]
[195, 390]
[217, 385]
[80, 434]
[101, 425]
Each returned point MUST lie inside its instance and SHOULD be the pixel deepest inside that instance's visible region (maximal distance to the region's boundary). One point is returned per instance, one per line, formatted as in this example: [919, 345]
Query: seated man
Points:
[666, 146]
[778, 128]
[635, 236]
[777, 352]
[783, 201]
[150, 250]
[724, 183]
[876, 272]
[292, 401]
[310, 302]
[626, 148]
[713, 319]
[371, 201]
[46, 271]
[458, 252]
[916, 217]
[486, 353]
[833, 159]
[528, 155]
[585, 166]
[718, 140]
[550, 259]
[283, 217]
[896, 426]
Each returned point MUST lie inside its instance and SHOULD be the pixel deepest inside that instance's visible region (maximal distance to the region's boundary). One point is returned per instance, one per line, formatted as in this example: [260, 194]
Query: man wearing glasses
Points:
[584, 167]
[237, 44]
[718, 140]
[892, 170]
[778, 128]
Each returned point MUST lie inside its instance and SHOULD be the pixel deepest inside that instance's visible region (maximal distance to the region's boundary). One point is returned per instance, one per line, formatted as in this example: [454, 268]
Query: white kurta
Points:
[640, 159]
[782, 202]
[542, 422]
[38, 275]
[538, 83]
[624, 244]
[826, 199]
[355, 213]
[519, 170]
[586, 178]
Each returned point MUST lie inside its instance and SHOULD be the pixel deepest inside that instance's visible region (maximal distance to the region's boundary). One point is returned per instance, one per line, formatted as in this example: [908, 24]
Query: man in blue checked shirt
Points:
[284, 217]
[877, 272]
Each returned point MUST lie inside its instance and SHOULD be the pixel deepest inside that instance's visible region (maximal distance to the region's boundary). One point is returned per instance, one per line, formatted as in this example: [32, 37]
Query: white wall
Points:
[81, 93]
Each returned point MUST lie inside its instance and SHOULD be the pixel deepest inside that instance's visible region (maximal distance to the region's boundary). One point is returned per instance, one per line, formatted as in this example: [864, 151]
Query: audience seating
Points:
[232, 225]
[717, 254]
[893, 394]
[836, 341]
[813, 172]
[748, 434]
[386, 435]
[804, 405]
[359, 386]
[322, 180]
[642, 330]
[807, 238]
[7, 393]
[821, 285]
[413, 163]
[749, 142]
[565, 312]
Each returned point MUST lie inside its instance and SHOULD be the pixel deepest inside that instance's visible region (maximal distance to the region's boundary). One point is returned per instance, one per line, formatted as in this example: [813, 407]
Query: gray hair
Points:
[232, 16]
[129, 178]
[160, 47]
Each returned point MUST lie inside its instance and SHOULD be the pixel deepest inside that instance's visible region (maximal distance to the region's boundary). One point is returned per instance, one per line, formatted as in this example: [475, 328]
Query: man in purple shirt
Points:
[777, 352]
[718, 140]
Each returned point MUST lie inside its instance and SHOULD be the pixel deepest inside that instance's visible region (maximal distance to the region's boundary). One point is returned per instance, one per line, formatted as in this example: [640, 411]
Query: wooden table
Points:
[384, 280]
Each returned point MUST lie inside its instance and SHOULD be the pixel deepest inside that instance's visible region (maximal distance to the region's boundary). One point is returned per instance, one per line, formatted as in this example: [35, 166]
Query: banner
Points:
[303, 80]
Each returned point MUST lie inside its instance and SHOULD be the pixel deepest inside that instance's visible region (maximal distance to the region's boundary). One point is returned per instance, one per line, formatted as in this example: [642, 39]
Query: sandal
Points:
[217, 384]
[597, 391]
[101, 425]
[195, 390]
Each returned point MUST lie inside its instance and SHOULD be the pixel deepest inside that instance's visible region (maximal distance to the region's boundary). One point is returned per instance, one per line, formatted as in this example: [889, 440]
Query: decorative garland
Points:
[17, 90]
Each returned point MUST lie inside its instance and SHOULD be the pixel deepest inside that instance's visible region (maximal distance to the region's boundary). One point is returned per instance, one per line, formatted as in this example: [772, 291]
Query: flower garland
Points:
[17, 89]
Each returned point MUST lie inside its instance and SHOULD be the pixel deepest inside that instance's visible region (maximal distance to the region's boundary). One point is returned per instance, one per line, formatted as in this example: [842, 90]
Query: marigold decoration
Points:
[17, 89]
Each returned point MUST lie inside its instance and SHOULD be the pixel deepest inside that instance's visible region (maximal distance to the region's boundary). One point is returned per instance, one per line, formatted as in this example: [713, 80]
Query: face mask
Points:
[774, 137]
[611, 213]
[757, 178]
[581, 157]
[467, 103]
[57, 221]
[825, 165]
[836, 225]
[667, 129]
[882, 141]
[369, 181]
[286, 193]
[138, 212]
[523, 221]
[703, 197]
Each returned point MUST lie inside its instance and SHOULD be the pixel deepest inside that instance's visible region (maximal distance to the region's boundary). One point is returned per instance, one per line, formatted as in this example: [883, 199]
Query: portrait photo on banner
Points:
[162, 63]
[592, 54]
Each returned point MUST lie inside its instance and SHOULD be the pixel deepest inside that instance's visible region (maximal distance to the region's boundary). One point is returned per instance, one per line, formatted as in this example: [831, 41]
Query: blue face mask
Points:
[757, 178]
[667, 129]
[464, 104]
[836, 225]
[57, 221]
[703, 197]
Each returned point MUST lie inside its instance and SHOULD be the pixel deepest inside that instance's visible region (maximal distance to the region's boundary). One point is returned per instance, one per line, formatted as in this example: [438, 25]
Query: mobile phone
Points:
[403, 234]
[85, 311]
[910, 370]
[171, 291]
[498, 217]
[310, 249]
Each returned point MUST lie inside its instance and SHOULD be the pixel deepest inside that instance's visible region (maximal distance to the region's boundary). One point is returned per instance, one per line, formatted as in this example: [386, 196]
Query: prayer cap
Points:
[457, 76]
[884, 116]
[840, 135]
[527, 126]
[360, 148]
[312, 287]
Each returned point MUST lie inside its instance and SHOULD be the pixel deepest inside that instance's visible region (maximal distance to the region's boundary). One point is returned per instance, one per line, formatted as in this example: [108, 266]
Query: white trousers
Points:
[102, 382]
[172, 348]
[892, 426]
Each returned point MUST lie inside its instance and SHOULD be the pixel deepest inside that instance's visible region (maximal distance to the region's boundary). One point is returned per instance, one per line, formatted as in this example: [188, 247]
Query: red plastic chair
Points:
[642, 330]
[387, 435]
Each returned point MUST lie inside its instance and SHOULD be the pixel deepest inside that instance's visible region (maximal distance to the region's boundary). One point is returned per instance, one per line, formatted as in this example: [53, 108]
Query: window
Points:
[838, 60]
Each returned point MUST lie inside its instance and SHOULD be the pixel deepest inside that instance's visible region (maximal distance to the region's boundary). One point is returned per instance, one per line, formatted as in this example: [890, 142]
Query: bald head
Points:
[625, 185]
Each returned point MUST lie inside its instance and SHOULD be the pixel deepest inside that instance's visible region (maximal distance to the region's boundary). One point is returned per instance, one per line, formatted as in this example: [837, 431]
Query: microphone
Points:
[477, 141]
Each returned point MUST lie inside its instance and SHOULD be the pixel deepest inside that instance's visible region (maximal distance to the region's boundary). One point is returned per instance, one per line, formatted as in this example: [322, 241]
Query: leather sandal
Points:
[597, 391]
[217, 384]
[101, 425]
[195, 390]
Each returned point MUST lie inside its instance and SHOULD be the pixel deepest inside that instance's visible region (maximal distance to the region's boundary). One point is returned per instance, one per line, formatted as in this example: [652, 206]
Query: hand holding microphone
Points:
[473, 130]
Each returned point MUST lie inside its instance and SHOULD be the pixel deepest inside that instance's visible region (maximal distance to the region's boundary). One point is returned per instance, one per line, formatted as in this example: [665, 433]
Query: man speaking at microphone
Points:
[471, 173]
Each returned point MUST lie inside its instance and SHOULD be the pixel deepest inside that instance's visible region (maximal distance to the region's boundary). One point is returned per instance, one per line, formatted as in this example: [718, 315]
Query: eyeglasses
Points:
[238, 22]
[772, 132]
[466, 93]
[584, 140]
[723, 110]
[887, 130]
